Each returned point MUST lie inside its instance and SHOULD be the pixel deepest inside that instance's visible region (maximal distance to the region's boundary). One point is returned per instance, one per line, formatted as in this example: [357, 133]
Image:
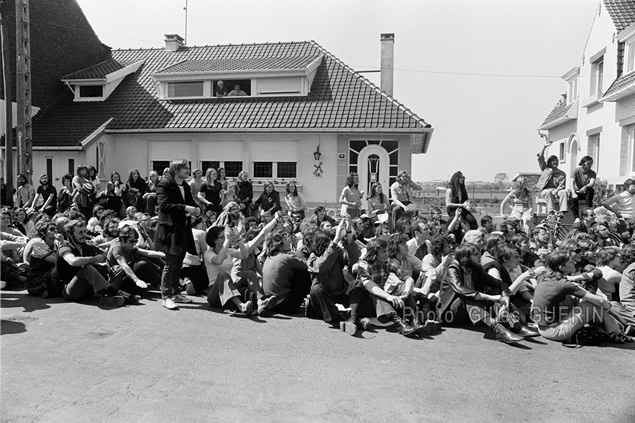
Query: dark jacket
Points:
[458, 283]
[174, 233]
[269, 202]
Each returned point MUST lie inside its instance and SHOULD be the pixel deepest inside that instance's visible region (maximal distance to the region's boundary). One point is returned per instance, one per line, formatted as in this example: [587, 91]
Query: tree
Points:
[499, 179]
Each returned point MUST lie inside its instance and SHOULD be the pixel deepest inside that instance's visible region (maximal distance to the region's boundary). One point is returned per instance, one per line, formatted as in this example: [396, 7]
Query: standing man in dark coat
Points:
[174, 234]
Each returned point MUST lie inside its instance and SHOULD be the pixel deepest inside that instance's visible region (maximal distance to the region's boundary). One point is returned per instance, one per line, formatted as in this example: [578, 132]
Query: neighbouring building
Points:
[596, 115]
[302, 115]
[62, 41]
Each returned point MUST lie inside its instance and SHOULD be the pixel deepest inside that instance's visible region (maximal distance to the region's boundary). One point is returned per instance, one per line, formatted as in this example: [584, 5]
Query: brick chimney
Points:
[387, 62]
[173, 42]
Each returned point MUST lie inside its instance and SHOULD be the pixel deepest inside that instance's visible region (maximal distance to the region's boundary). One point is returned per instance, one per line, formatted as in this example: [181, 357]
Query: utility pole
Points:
[7, 83]
[23, 94]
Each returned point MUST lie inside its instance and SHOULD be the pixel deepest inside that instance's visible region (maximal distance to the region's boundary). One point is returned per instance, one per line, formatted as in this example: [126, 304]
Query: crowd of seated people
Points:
[414, 273]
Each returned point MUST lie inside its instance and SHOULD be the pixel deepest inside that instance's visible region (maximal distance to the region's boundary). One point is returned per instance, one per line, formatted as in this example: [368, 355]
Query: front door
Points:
[373, 164]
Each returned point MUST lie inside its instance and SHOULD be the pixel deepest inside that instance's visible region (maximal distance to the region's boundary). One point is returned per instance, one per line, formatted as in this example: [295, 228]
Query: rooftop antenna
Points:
[185, 38]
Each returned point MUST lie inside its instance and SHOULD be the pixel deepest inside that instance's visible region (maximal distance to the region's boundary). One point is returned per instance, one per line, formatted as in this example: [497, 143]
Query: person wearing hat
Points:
[368, 227]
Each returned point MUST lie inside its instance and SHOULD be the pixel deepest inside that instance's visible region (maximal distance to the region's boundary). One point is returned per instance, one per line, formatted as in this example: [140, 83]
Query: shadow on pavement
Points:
[9, 327]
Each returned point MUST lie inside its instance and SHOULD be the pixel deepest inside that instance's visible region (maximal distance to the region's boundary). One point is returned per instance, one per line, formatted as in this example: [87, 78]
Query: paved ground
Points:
[65, 362]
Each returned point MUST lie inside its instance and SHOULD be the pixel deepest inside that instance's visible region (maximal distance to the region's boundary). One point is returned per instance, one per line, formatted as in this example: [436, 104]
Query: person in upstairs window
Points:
[237, 92]
[551, 184]
[221, 90]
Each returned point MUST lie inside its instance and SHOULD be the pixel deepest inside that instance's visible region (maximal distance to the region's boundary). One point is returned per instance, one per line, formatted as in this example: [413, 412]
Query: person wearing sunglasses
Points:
[138, 271]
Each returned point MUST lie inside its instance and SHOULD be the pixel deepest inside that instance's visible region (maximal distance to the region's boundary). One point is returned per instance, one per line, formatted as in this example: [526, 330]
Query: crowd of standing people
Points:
[185, 234]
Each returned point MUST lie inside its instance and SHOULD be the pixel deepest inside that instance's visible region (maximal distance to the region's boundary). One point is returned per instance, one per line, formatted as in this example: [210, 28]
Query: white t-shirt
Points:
[214, 269]
[624, 203]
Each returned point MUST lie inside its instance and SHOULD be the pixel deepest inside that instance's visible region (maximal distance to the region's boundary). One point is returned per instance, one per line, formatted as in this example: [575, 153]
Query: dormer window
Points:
[97, 82]
[91, 91]
[186, 89]
[572, 77]
[235, 78]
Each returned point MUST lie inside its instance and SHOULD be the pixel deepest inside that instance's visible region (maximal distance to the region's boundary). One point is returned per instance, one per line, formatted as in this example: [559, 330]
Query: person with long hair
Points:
[85, 191]
[401, 196]
[219, 261]
[210, 193]
[521, 200]
[557, 308]
[551, 184]
[66, 193]
[378, 203]
[150, 196]
[285, 278]
[114, 193]
[174, 234]
[295, 201]
[468, 294]
[134, 189]
[244, 193]
[456, 197]
[45, 197]
[195, 185]
[269, 201]
[40, 253]
[351, 197]
[78, 266]
[374, 270]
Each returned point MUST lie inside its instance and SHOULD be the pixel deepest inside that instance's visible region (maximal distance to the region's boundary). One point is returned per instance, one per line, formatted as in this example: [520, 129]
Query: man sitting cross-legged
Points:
[77, 264]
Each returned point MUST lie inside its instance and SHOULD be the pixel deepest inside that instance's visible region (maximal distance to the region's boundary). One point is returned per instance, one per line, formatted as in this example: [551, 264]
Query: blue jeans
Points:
[170, 284]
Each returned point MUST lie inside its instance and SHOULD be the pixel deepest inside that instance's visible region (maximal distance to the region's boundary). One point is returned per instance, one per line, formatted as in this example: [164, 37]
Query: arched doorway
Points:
[373, 164]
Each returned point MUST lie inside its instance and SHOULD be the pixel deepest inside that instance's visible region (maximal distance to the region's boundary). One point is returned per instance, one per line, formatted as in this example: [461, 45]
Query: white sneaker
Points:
[182, 299]
[169, 304]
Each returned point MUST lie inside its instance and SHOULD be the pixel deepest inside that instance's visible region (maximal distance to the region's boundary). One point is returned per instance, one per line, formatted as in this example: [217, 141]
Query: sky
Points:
[484, 73]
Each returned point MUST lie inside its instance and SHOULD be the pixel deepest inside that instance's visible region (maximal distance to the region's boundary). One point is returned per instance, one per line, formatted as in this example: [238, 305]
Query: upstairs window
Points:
[232, 88]
[91, 91]
[572, 90]
[597, 75]
[186, 89]
[629, 56]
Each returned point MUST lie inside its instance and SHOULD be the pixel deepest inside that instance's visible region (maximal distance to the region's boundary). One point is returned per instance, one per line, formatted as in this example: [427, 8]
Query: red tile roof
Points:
[259, 63]
[99, 70]
[339, 99]
[622, 12]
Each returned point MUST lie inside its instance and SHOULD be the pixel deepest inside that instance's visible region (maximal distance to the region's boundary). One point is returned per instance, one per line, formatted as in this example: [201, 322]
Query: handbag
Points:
[587, 335]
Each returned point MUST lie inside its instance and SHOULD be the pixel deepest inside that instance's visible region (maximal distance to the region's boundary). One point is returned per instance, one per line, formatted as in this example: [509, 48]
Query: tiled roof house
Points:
[142, 108]
[596, 115]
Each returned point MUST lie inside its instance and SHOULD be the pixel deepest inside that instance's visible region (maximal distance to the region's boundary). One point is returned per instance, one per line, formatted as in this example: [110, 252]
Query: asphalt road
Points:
[67, 362]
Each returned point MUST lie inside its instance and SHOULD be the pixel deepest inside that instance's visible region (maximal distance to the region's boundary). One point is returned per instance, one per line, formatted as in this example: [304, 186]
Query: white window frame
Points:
[629, 56]
[631, 151]
[274, 170]
[562, 152]
[572, 90]
[597, 76]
